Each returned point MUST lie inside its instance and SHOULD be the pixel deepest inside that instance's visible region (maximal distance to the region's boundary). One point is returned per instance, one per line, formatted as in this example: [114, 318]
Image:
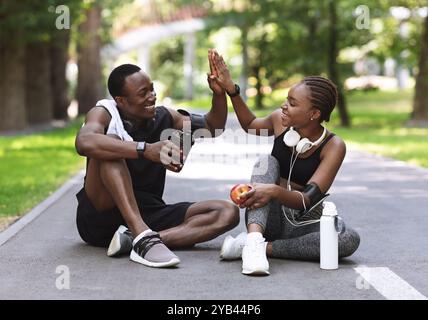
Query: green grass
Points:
[378, 123]
[33, 166]
[378, 126]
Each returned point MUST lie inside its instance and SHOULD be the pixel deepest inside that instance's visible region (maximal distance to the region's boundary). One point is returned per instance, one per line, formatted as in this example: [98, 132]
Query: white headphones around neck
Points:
[292, 139]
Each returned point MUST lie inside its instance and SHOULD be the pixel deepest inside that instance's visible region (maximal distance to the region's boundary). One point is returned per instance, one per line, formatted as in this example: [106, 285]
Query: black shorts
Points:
[97, 228]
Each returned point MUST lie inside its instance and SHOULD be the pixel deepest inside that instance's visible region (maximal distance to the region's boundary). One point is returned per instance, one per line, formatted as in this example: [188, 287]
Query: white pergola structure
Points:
[143, 38]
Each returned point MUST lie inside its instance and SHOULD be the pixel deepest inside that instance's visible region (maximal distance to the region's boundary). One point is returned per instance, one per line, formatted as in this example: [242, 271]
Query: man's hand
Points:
[259, 196]
[165, 152]
[211, 77]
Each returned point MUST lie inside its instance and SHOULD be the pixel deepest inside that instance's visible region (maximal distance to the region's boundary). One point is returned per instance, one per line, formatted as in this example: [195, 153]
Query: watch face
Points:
[141, 146]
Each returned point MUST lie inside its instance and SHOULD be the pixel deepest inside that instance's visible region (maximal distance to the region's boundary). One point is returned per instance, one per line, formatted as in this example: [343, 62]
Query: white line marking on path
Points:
[389, 284]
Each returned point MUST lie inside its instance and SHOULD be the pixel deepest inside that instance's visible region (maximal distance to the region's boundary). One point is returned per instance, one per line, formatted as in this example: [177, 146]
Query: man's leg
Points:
[108, 184]
[203, 221]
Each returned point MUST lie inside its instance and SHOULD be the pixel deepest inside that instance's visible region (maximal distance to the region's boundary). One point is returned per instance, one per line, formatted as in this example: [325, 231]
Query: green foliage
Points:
[167, 66]
[34, 19]
[32, 167]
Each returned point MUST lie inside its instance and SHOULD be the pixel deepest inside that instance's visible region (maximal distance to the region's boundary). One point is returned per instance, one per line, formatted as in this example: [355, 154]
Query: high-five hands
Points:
[211, 77]
[221, 75]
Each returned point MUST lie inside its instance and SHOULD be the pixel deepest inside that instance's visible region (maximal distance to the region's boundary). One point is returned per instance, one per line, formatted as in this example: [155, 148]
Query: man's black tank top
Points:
[148, 176]
[303, 168]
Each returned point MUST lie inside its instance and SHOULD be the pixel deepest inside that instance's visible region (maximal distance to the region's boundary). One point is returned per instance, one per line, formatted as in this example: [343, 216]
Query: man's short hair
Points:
[117, 77]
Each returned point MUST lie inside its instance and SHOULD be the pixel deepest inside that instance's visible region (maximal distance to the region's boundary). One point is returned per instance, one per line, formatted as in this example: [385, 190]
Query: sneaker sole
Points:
[136, 258]
[226, 247]
[259, 272]
[115, 246]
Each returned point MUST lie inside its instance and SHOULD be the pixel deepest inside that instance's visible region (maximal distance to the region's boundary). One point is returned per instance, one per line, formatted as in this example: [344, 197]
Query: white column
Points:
[189, 57]
[143, 56]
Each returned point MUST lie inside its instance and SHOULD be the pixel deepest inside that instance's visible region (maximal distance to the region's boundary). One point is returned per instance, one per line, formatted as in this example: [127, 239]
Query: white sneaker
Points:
[232, 247]
[254, 260]
[121, 242]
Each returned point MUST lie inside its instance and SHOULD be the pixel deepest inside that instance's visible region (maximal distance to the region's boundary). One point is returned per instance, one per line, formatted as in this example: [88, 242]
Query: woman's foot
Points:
[232, 247]
[254, 260]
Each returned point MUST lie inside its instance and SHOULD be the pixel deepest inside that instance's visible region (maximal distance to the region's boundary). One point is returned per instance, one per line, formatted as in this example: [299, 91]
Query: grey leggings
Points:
[288, 241]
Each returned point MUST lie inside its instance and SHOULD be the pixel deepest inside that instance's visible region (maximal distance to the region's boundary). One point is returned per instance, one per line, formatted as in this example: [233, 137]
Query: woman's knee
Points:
[348, 243]
[266, 170]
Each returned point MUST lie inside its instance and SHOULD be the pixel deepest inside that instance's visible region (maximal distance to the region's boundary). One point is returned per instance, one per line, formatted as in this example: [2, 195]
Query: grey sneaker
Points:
[150, 251]
[121, 242]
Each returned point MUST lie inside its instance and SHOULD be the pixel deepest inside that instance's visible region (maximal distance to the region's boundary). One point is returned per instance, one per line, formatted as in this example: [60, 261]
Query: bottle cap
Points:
[329, 209]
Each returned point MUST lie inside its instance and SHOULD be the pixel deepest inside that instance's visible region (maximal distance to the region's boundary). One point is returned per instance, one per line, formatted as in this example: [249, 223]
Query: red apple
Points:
[237, 191]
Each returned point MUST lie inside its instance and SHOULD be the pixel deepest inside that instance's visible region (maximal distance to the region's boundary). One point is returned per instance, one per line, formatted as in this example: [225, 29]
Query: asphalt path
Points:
[386, 201]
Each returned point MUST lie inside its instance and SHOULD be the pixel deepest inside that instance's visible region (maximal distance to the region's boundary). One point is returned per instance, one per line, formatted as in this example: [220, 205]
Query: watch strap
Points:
[236, 93]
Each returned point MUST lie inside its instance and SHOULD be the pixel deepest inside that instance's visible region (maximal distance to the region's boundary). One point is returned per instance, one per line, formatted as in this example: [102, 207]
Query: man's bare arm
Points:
[92, 142]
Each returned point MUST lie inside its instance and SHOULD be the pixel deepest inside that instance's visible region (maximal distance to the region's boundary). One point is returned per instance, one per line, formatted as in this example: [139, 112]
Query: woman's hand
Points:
[259, 196]
[211, 77]
[222, 76]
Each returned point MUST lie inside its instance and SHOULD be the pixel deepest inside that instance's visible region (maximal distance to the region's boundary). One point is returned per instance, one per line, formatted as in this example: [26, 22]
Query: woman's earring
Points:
[312, 118]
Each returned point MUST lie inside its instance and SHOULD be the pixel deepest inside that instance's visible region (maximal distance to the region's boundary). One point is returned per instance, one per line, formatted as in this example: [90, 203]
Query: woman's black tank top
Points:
[303, 168]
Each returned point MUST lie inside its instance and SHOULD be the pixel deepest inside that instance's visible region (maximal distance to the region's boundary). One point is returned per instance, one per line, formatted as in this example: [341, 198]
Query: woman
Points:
[286, 199]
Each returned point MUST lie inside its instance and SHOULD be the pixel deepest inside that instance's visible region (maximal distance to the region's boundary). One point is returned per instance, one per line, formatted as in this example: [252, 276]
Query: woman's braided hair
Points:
[323, 95]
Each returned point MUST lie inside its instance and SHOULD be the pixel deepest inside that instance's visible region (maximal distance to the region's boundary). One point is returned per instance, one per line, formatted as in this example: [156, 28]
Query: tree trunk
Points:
[258, 73]
[332, 64]
[59, 58]
[89, 88]
[12, 82]
[244, 74]
[259, 97]
[420, 102]
[38, 83]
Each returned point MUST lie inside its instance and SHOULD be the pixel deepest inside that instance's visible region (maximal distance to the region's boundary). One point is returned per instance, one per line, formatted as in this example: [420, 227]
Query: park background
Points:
[55, 57]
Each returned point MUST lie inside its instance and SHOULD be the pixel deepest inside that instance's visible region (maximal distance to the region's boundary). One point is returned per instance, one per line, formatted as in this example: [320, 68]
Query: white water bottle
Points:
[329, 239]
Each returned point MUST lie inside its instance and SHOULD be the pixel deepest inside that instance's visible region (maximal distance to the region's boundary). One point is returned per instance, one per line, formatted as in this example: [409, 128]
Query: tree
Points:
[13, 114]
[301, 38]
[12, 70]
[420, 102]
[59, 57]
[89, 88]
[31, 77]
[38, 90]
[333, 65]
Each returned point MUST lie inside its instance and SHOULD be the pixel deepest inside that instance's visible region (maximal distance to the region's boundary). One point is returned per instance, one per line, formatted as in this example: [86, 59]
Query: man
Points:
[125, 174]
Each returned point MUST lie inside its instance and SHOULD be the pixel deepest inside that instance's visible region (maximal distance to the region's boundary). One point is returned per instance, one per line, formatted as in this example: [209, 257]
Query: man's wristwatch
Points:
[236, 93]
[141, 147]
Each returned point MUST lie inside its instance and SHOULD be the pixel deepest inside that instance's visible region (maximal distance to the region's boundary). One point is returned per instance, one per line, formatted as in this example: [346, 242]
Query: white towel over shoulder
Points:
[116, 125]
